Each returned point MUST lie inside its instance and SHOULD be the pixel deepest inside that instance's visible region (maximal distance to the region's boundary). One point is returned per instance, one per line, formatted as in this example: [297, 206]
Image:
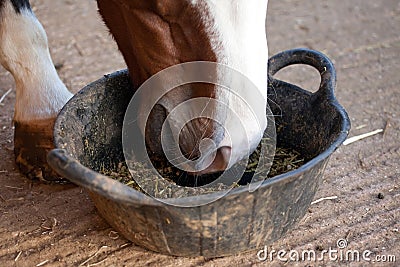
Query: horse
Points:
[152, 36]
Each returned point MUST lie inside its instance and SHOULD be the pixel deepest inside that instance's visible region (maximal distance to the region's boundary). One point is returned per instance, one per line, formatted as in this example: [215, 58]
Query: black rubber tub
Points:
[88, 131]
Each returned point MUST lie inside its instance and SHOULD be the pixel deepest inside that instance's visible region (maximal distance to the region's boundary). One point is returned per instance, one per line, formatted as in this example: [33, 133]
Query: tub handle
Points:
[308, 57]
[67, 166]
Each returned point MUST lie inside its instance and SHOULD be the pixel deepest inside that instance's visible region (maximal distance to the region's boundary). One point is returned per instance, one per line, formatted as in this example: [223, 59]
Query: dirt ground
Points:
[54, 225]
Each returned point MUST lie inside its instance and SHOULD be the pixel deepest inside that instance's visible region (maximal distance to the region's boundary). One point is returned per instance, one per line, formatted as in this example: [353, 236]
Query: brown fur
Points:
[154, 35]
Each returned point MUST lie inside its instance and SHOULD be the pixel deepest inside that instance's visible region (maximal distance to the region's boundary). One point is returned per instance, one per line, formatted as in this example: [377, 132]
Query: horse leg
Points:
[40, 93]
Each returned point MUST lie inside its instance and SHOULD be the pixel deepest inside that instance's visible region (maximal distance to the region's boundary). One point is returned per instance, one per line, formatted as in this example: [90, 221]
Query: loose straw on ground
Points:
[361, 136]
[19, 255]
[42, 263]
[5, 95]
[93, 256]
[322, 199]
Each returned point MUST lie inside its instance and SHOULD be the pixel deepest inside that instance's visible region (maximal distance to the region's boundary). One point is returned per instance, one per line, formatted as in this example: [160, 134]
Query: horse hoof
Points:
[32, 141]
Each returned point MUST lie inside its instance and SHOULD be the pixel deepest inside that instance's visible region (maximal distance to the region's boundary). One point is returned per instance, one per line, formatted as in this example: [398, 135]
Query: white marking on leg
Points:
[40, 93]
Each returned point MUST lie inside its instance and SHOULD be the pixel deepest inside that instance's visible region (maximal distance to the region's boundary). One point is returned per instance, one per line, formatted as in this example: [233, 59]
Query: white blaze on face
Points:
[239, 41]
[40, 93]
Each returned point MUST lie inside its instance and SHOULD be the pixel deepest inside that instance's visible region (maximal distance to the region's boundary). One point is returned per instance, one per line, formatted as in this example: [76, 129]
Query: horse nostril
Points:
[219, 163]
[200, 136]
[153, 130]
[222, 158]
